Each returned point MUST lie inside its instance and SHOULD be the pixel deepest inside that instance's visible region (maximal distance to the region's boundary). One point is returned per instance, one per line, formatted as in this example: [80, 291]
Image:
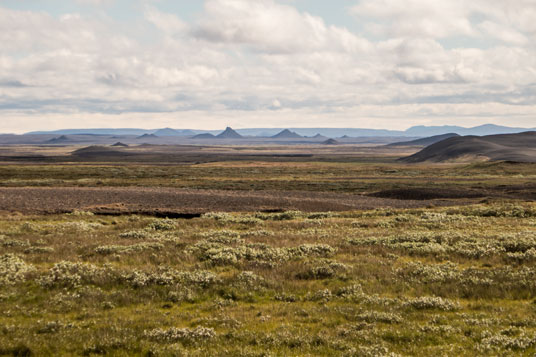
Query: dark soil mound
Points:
[98, 152]
[425, 193]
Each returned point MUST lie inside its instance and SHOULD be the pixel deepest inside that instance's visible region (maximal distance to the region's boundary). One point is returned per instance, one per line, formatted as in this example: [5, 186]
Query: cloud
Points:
[95, 2]
[168, 23]
[418, 18]
[266, 63]
[503, 33]
[272, 27]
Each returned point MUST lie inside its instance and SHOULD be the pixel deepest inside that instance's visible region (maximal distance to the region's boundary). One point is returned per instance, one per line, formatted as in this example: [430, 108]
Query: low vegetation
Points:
[439, 281]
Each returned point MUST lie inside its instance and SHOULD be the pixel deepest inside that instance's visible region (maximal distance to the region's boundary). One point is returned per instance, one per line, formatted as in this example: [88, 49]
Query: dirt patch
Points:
[170, 201]
[427, 194]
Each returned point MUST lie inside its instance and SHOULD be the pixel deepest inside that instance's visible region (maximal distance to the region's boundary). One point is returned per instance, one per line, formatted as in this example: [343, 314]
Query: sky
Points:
[208, 64]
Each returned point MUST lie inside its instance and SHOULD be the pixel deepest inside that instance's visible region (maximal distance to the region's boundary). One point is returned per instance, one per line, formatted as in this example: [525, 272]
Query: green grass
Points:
[305, 176]
[440, 281]
[451, 281]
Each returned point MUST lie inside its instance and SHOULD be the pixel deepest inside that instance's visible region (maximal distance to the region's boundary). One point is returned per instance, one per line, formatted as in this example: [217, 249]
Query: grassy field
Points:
[452, 281]
[258, 175]
[447, 281]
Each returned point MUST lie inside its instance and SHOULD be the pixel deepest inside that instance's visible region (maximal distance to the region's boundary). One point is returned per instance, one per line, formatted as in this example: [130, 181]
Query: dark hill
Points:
[147, 136]
[204, 136]
[287, 134]
[98, 151]
[229, 133]
[331, 142]
[425, 141]
[120, 144]
[510, 147]
[59, 140]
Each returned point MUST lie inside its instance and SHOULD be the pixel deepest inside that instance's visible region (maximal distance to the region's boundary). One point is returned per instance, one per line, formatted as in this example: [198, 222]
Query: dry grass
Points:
[451, 281]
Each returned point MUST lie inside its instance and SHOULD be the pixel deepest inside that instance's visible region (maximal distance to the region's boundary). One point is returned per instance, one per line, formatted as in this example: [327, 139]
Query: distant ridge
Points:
[320, 137]
[519, 147]
[229, 133]
[416, 131]
[59, 140]
[425, 141]
[287, 134]
[147, 136]
[204, 136]
[167, 132]
[486, 129]
[331, 142]
[173, 132]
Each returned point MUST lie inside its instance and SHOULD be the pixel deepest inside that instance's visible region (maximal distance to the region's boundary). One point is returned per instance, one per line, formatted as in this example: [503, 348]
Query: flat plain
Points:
[264, 251]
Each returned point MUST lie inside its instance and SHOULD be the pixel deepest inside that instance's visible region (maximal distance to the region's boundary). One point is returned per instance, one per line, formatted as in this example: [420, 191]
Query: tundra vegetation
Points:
[435, 281]
[453, 279]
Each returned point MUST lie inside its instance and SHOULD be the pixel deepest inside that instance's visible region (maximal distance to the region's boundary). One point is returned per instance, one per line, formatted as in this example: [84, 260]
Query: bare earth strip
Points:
[148, 200]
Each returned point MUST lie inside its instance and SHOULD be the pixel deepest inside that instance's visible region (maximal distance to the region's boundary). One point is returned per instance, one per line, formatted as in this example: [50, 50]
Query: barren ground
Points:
[170, 201]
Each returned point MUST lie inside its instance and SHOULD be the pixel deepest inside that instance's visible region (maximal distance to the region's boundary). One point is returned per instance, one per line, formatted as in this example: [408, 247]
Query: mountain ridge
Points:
[414, 131]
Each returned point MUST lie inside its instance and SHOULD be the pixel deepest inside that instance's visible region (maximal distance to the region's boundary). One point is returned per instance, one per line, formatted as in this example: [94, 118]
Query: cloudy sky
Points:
[266, 63]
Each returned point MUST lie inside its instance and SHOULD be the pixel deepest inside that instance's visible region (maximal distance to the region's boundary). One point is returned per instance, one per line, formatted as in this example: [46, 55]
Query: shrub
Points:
[13, 269]
[428, 302]
[71, 275]
[162, 225]
[119, 249]
[377, 316]
[181, 334]
[137, 234]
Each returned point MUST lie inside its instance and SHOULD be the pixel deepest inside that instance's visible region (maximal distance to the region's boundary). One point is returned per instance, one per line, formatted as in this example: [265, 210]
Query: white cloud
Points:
[419, 18]
[273, 27]
[503, 33]
[168, 23]
[265, 63]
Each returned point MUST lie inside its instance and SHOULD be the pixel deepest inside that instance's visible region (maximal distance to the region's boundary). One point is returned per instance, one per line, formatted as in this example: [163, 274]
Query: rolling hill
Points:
[509, 147]
[287, 134]
[425, 141]
[147, 136]
[204, 136]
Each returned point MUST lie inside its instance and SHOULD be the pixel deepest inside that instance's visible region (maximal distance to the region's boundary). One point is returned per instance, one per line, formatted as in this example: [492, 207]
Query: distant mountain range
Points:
[416, 131]
[486, 129]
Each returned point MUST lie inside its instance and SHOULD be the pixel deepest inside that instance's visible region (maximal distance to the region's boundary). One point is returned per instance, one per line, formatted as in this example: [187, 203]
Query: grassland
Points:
[427, 281]
[456, 281]
[353, 177]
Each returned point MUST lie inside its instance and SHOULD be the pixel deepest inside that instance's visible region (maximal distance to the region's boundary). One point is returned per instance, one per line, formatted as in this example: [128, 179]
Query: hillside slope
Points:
[425, 141]
[511, 147]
